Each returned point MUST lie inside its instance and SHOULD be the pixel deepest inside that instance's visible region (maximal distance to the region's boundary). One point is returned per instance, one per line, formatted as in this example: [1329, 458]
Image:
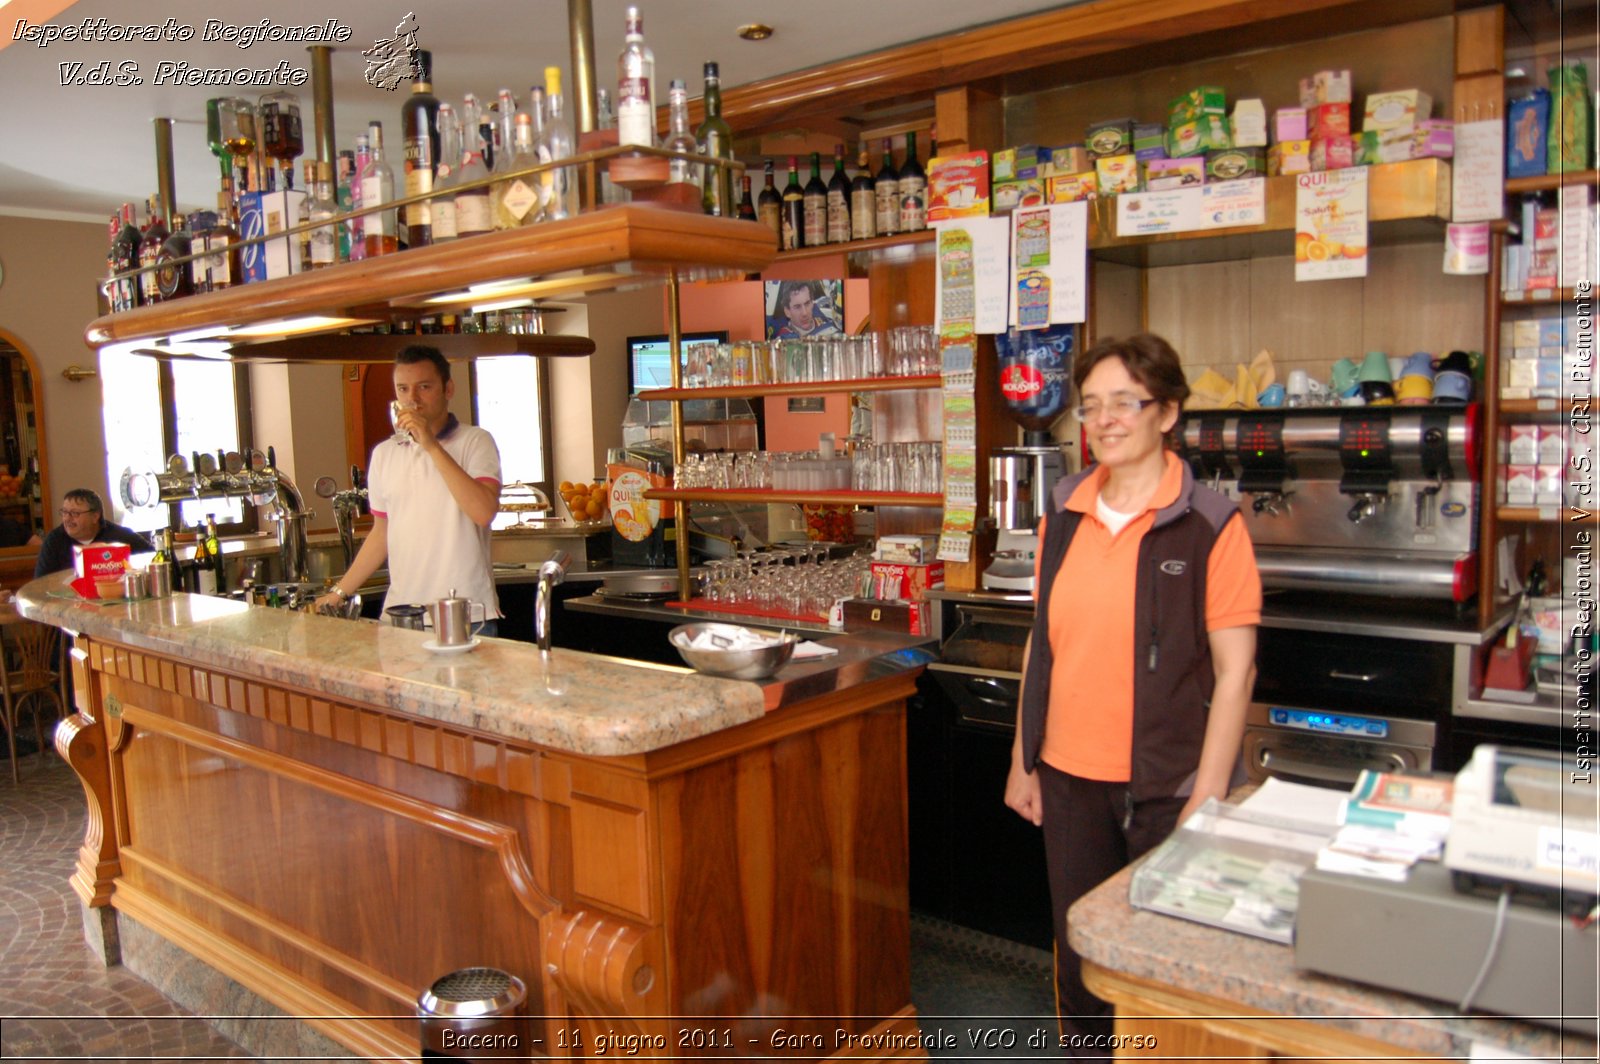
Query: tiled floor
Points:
[57, 1002]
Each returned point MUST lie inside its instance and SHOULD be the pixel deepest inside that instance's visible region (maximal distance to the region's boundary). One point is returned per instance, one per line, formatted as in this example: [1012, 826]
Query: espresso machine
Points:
[1036, 385]
[1361, 500]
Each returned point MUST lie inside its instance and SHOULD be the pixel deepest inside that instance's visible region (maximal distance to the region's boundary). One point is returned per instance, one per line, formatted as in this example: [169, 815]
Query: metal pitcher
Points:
[452, 620]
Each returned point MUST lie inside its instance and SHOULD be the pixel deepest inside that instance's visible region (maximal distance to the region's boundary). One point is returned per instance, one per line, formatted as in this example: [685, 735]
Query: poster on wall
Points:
[1330, 232]
[798, 309]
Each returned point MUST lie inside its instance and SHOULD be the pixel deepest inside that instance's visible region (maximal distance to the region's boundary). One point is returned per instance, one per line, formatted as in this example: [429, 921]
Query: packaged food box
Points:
[1527, 130]
[1149, 141]
[262, 214]
[1325, 86]
[906, 549]
[1009, 195]
[1571, 112]
[1289, 157]
[1232, 163]
[1163, 174]
[1399, 110]
[1069, 188]
[1375, 146]
[1434, 138]
[1072, 159]
[958, 186]
[1545, 613]
[1328, 120]
[1248, 124]
[1196, 103]
[1289, 123]
[1209, 133]
[100, 561]
[900, 582]
[1333, 153]
[1113, 136]
[1117, 173]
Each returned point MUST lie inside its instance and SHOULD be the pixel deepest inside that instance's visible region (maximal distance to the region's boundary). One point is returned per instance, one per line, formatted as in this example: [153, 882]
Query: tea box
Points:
[1333, 153]
[1329, 120]
[1117, 173]
[1434, 138]
[1325, 86]
[1209, 133]
[1289, 157]
[1109, 137]
[1248, 124]
[958, 186]
[1400, 110]
[1197, 103]
[1232, 163]
[1527, 127]
[1149, 141]
[1069, 188]
[1289, 123]
[1163, 174]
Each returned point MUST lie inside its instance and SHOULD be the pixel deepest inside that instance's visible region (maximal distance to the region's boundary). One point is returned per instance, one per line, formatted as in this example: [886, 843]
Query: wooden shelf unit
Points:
[1548, 182]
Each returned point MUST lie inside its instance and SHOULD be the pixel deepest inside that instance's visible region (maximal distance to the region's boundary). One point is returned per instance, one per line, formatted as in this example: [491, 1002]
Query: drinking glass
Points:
[395, 408]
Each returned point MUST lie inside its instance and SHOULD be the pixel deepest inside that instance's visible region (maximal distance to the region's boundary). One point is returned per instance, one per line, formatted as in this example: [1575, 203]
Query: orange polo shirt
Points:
[1089, 726]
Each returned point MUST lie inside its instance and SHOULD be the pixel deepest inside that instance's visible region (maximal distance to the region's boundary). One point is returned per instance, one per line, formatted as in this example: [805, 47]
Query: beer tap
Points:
[347, 505]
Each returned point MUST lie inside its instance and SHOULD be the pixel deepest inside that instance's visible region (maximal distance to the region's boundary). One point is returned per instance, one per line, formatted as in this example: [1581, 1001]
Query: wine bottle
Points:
[349, 196]
[173, 279]
[838, 200]
[203, 576]
[815, 206]
[769, 206]
[378, 229]
[124, 257]
[419, 126]
[214, 556]
[863, 201]
[747, 206]
[636, 86]
[324, 241]
[474, 214]
[155, 234]
[913, 190]
[716, 140]
[887, 191]
[793, 219]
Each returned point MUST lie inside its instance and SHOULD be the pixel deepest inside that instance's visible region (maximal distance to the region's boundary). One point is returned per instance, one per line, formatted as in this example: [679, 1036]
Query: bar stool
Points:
[30, 673]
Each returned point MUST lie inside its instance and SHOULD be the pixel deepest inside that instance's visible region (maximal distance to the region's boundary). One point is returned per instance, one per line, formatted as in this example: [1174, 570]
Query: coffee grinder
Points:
[1036, 385]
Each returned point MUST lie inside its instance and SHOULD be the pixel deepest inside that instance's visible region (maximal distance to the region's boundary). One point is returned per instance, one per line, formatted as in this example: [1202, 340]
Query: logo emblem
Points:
[1174, 567]
[389, 62]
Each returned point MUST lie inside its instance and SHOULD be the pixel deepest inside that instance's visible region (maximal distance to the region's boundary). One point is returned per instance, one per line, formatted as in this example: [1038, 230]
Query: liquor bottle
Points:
[377, 186]
[202, 575]
[218, 146]
[164, 551]
[473, 211]
[793, 218]
[446, 175]
[419, 125]
[558, 144]
[716, 140]
[474, 135]
[516, 199]
[214, 554]
[173, 278]
[815, 205]
[913, 190]
[887, 191]
[503, 129]
[636, 86]
[236, 119]
[838, 200]
[538, 112]
[324, 243]
[302, 239]
[124, 257]
[358, 235]
[679, 138]
[863, 201]
[344, 171]
[769, 206]
[282, 139]
[155, 234]
[222, 266]
[605, 116]
[747, 206]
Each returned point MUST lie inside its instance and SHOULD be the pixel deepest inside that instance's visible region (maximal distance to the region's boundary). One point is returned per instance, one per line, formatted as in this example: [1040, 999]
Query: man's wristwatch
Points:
[337, 590]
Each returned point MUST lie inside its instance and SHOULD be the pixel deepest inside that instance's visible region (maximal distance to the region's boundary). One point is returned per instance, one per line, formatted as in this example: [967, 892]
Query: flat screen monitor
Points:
[650, 358]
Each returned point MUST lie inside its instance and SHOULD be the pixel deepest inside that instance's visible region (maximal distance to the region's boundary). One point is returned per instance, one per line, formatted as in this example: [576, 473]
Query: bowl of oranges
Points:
[10, 486]
[586, 503]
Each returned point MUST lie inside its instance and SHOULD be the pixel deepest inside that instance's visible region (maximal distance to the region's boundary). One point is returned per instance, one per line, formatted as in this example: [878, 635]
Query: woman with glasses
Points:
[82, 521]
[1142, 655]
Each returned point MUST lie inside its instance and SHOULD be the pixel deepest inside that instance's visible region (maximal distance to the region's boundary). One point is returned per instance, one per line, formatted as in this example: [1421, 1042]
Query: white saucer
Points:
[459, 648]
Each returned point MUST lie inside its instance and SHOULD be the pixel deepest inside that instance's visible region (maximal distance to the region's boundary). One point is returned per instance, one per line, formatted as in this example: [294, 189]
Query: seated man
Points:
[82, 521]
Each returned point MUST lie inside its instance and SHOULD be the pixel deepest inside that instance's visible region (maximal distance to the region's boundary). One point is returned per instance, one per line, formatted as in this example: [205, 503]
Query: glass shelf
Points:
[826, 498]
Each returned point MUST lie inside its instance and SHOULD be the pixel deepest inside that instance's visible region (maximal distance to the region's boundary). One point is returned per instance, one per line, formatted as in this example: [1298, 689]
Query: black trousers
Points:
[1091, 833]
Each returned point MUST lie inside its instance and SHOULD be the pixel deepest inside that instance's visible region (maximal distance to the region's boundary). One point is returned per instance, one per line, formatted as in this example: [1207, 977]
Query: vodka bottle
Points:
[636, 86]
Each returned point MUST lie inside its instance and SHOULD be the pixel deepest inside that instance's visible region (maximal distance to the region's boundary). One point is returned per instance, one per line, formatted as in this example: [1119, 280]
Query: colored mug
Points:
[1272, 395]
[1375, 367]
[1418, 365]
[1452, 386]
[1343, 379]
[1455, 362]
[1377, 393]
[1414, 389]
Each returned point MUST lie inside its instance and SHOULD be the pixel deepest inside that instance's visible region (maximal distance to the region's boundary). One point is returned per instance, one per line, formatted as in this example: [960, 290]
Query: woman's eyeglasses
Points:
[1123, 409]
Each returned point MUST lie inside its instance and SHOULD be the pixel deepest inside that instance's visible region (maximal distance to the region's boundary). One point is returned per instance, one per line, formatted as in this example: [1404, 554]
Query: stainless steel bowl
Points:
[753, 664]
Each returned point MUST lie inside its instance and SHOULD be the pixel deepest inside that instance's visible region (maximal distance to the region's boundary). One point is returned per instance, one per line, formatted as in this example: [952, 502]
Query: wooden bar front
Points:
[337, 857]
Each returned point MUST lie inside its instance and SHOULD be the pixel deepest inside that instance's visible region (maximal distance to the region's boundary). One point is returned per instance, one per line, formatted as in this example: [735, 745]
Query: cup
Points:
[1418, 365]
[1299, 388]
[160, 579]
[1455, 362]
[1343, 379]
[1377, 393]
[1397, 366]
[135, 584]
[1452, 386]
[406, 617]
[452, 620]
[1375, 367]
[1272, 395]
[1414, 389]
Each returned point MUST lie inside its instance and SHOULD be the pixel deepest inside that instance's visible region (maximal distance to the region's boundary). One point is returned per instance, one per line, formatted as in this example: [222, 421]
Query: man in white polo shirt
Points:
[432, 496]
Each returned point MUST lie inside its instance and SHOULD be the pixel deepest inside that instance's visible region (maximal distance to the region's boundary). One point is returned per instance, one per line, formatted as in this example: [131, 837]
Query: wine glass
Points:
[396, 408]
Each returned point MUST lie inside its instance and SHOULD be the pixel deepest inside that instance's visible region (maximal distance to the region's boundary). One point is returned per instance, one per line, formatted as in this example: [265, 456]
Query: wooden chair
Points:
[30, 675]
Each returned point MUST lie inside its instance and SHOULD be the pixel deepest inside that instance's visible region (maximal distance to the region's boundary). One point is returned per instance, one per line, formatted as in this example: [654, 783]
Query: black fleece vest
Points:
[1173, 677]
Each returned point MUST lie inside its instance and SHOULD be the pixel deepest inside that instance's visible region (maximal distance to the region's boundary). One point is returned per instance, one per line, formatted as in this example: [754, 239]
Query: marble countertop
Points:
[584, 703]
[1261, 975]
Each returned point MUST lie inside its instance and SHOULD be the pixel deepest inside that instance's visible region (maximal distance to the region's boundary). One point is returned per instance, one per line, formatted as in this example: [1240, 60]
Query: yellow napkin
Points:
[1210, 391]
[1262, 371]
[1244, 389]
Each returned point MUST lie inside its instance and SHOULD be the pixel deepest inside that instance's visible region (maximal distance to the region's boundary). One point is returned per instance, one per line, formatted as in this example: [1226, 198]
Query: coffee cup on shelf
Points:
[1452, 386]
[1342, 381]
[1455, 362]
[1419, 364]
[1375, 367]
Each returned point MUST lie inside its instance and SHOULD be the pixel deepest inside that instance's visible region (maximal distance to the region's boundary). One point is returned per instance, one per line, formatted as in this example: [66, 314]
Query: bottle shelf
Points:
[859, 247]
[1535, 296]
[741, 391]
[825, 498]
[1546, 182]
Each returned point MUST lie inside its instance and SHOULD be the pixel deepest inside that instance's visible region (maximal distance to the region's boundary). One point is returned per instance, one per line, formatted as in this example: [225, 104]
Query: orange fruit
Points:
[1354, 251]
[1316, 251]
[566, 486]
[1301, 241]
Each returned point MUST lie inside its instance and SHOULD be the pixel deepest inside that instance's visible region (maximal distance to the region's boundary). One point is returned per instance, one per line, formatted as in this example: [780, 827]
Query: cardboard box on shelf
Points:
[900, 582]
[100, 561]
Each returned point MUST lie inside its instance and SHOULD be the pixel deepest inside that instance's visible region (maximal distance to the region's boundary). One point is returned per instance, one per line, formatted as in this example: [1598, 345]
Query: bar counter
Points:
[1205, 993]
[333, 816]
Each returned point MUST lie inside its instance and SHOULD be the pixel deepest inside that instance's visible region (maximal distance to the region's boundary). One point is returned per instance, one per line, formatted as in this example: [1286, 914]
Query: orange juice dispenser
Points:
[642, 530]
